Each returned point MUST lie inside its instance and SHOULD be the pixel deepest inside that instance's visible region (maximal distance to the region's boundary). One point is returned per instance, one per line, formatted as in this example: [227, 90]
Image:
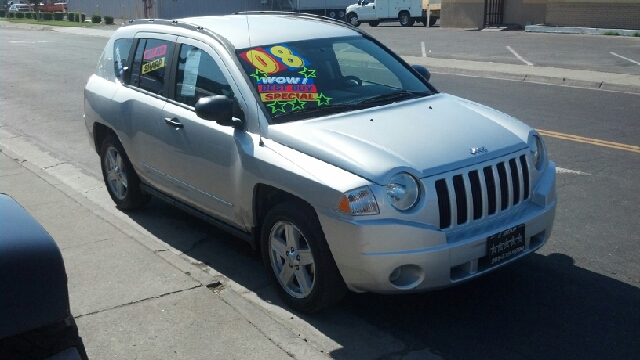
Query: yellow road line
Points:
[598, 142]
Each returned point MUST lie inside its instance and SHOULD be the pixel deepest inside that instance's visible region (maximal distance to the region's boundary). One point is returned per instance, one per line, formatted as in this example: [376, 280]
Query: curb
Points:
[579, 30]
[596, 80]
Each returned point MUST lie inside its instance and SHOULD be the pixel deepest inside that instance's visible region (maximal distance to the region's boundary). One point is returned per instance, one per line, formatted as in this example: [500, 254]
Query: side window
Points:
[121, 50]
[149, 65]
[198, 76]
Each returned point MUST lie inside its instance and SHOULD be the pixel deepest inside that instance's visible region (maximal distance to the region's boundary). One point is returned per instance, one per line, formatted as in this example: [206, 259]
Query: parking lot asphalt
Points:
[554, 75]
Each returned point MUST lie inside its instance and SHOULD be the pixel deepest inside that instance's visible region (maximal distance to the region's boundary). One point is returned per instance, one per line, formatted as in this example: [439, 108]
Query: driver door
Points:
[202, 154]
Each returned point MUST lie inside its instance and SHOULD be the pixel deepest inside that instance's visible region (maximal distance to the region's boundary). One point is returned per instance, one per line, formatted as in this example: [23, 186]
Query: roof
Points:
[246, 30]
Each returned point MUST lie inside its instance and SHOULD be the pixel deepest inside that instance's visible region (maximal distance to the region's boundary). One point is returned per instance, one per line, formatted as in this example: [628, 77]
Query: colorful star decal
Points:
[323, 100]
[277, 106]
[297, 104]
[308, 73]
[259, 75]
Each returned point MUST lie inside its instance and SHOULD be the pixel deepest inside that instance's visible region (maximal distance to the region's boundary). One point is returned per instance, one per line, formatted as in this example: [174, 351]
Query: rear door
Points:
[142, 101]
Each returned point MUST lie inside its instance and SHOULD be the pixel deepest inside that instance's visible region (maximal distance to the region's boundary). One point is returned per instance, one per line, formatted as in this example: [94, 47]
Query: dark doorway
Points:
[493, 12]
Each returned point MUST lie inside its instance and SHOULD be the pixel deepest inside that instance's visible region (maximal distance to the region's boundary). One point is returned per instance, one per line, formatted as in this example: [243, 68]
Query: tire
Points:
[352, 19]
[374, 23]
[44, 342]
[432, 21]
[405, 19]
[119, 176]
[292, 238]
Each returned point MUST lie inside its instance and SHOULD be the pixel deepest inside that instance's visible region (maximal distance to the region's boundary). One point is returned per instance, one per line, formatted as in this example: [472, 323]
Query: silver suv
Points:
[327, 152]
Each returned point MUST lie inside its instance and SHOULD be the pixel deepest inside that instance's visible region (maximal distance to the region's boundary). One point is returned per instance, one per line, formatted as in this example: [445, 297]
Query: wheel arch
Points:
[100, 132]
[265, 197]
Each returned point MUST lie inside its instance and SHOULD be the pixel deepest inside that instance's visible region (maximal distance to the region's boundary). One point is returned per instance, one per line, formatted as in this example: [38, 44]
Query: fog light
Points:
[406, 277]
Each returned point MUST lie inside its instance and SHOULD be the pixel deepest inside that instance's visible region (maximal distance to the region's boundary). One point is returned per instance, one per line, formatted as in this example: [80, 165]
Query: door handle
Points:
[174, 122]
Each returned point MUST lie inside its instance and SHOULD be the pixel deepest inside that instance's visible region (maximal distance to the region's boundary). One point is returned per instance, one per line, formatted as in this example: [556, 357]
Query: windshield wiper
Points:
[326, 109]
[400, 94]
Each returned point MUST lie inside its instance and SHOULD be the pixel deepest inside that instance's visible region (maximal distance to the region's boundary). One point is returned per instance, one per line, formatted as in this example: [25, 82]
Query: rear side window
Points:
[198, 76]
[149, 65]
[121, 50]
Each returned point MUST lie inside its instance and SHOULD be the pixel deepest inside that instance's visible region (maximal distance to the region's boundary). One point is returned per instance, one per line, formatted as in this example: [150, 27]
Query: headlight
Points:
[359, 202]
[403, 191]
[538, 151]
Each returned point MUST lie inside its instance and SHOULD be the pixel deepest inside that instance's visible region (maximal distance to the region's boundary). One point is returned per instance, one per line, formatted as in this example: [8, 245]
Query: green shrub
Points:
[71, 16]
[613, 33]
[20, 15]
[84, 17]
[47, 16]
[108, 19]
[30, 15]
[3, 13]
[636, 34]
[96, 19]
[58, 16]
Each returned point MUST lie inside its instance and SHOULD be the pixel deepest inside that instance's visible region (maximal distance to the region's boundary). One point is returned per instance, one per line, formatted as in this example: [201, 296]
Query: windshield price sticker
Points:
[292, 88]
[153, 65]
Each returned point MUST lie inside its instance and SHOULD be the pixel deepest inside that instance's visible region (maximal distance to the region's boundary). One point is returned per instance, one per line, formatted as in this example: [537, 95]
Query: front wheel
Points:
[298, 260]
[121, 180]
[353, 20]
[406, 20]
[374, 23]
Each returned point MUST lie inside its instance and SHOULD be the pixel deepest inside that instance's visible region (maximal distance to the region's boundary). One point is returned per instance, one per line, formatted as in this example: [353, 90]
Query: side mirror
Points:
[359, 2]
[422, 71]
[218, 108]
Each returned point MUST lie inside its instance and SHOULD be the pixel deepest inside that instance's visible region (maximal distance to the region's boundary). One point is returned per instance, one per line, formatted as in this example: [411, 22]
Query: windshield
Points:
[298, 80]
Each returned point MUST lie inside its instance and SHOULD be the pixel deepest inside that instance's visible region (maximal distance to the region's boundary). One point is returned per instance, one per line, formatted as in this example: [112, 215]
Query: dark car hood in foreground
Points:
[429, 135]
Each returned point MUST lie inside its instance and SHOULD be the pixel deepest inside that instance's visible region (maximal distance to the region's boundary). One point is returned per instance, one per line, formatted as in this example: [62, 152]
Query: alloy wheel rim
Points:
[116, 173]
[291, 259]
[354, 20]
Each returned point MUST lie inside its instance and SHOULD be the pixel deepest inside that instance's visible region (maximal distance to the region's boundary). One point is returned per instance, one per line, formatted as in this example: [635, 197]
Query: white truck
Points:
[407, 12]
[335, 9]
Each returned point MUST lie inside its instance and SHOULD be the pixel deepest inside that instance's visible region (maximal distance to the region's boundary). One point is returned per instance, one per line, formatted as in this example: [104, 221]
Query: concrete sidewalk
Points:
[133, 296]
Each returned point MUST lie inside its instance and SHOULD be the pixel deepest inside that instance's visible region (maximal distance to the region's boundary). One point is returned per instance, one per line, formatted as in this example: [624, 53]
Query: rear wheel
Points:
[121, 180]
[405, 19]
[298, 260]
[432, 21]
[353, 20]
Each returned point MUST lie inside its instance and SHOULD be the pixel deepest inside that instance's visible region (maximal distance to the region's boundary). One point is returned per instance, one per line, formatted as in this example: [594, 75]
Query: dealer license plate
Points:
[504, 246]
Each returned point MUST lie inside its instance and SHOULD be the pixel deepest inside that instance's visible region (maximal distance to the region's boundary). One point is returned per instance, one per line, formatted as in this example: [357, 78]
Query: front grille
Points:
[475, 194]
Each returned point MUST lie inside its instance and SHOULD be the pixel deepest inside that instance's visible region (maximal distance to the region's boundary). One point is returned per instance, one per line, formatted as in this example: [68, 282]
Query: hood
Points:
[424, 137]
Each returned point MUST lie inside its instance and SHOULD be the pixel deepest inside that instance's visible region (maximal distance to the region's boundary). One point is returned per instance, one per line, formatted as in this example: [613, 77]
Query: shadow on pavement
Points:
[543, 307]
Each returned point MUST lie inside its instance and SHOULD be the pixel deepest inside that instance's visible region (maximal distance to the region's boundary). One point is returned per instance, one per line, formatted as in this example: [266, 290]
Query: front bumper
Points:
[368, 251]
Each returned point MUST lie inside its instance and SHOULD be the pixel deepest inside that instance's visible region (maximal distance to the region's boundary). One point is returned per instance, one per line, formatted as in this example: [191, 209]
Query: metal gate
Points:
[493, 12]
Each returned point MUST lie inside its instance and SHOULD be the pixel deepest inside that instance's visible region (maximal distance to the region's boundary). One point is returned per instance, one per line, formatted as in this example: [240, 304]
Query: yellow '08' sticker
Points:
[153, 65]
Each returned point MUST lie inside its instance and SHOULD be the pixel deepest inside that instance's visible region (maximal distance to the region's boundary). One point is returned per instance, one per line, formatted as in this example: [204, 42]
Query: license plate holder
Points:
[504, 246]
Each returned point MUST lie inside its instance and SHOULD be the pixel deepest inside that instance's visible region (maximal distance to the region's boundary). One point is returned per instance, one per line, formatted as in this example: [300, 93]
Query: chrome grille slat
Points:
[468, 196]
[461, 199]
[515, 181]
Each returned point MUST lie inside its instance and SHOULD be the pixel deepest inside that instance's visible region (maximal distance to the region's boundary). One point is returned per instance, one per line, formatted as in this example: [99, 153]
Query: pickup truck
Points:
[53, 7]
